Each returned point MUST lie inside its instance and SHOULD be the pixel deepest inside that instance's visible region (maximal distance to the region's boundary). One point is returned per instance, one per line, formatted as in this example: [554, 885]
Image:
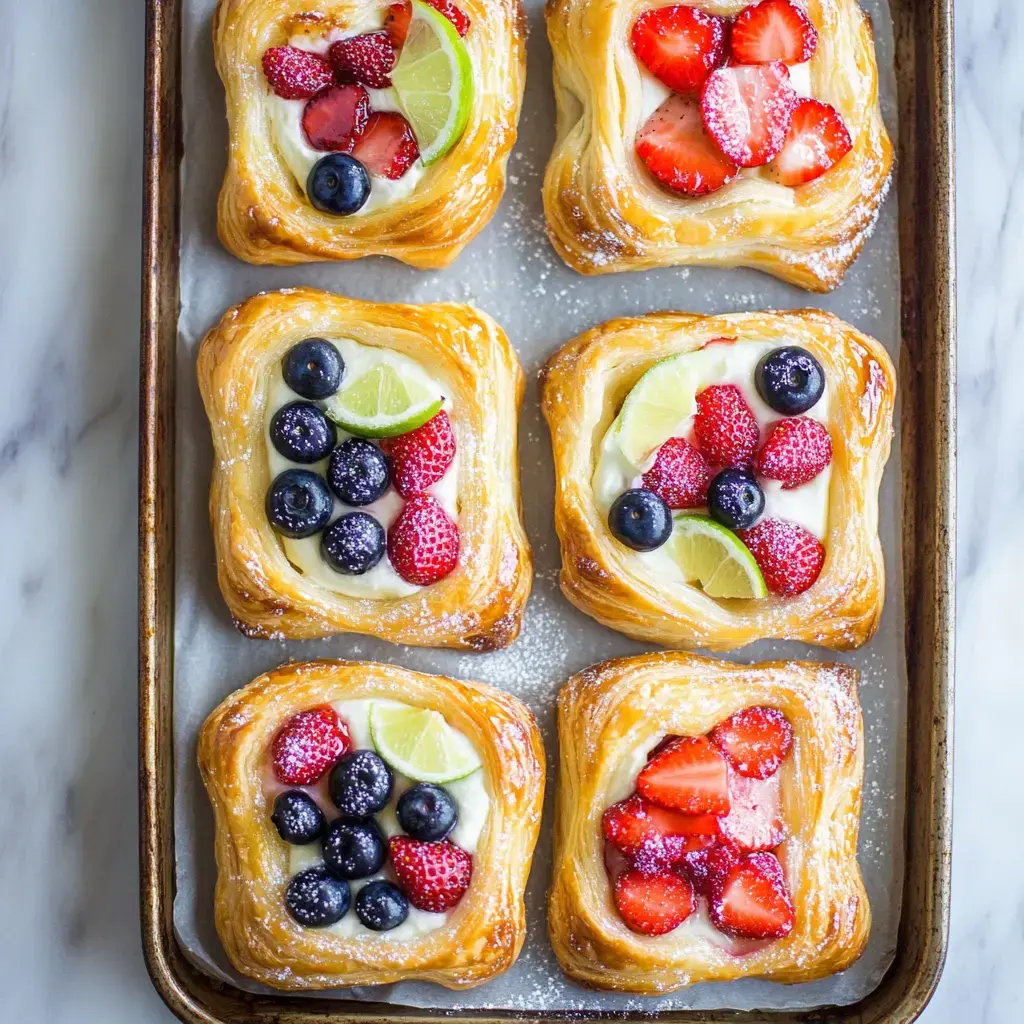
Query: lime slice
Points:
[657, 408]
[382, 403]
[434, 82]
[715, 557]
[419, 743]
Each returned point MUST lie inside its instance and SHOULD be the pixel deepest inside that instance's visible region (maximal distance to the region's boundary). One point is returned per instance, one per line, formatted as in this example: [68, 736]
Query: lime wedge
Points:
[714, 557]
[434, 82]
[419, 743]
[381, 403]
[657, 408]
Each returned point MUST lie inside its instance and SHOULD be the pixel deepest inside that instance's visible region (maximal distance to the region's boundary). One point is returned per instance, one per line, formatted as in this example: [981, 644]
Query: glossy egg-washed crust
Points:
[582, 388]
[608, 711]
[263, 215]
[605, 212]
[479, 606]
[485, 932]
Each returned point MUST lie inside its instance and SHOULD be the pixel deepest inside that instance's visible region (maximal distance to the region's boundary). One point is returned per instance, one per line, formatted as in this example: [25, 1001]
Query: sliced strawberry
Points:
[433, 876]
[423, 542]
[751, 901]
[396, 23]
[456, 15]
[638, 827]
[817, 140]
[754, 821]
[790, 557]
[296, 74]
[421, 457]
[747, 110]
[653, 904]
[680, 475]
[755, 740]
[772, 30]
[388, 146]
[679, 45]
[308, 744]
[689, 775]
[335, 118]
[725, 426]
[366, 59]
[706, 865]
[795, 451]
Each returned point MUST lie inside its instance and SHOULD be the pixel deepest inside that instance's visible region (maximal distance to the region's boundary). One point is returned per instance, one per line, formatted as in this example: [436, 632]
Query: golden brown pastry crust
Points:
[263, 215]
[582, 388]
[606, 213]
[479, 606]
[607, 711]
[485, 932]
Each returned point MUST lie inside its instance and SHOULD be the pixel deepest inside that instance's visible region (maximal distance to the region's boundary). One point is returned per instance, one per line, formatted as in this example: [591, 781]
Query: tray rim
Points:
[924, 55]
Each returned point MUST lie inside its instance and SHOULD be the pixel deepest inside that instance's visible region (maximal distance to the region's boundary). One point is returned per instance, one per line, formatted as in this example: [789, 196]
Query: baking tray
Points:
[923, 59]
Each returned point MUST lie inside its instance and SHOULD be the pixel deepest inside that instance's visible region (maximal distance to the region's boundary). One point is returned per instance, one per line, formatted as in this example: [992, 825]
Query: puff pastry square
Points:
[582, 388]
[606, 714]
[606, 213]
[479, 605]
[263, 215]
[480, 938]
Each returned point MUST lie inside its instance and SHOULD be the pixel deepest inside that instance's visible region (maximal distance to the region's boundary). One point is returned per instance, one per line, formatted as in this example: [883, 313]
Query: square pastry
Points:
[365, 473]
[373, 825]
[706, 823]
[715, 132]
[359, 127]
[717, 476]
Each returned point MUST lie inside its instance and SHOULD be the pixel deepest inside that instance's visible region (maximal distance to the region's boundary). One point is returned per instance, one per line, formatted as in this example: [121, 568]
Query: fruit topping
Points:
[422, 457]
[640, 829]
[725, 427]
[689, 775]
[713, 556]
[302, 433]
[313, 369]
[298, 819]
[335, 118]
[315, 898]
[354, 848]
[396, 23]
[706, 865]
[420, 744]
[640, 520]
[734, 499]
[387, 147]
[755, 740]
[360, 784]
[789, 556]
[427, 812]
[657, 407]
[790, 380]
[296, 74]
[366, 59]
[358, 472]
[299, 503]
[384, 403]
[653, 904]
[772, 30]
[433, 876]
[456, 15]
[381, 906]
[679, 45]
[353, 544]
[754, 821]
[423, 542]
[308, 744]
[680, 475]
[795, 452]
[817, 140]
[338, 184]
[751, 901]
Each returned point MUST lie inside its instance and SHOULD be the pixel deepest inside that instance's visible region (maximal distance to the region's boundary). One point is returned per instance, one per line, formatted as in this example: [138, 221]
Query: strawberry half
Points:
[689, 775]
[296, 74]
[790, 557]
[388, 146]
[795, 451]
[754, 821]
[725, 426]
[653, 904]
[421, 457]
[366, 59]
[335, 118]
[645, 832]
[751, 901]
[772, 30]
[433, 876]
[308, 744]
[680, 475]
[679, 45]
[817, 140]
[423, 542]
[755, 740]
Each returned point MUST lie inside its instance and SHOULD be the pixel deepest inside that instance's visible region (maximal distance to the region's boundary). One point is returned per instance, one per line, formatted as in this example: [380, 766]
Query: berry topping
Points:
[725, 427]
[680, 475]
[421, 457]
[427, 812]
[747, 110]
[366, 59]
[690, 775]
[772, 30]
[751, 901]
[297, 817]
[353, 544]
[754, 821]
[735, 499]
[789, 557]
[302, 433]
[360, 784]
[433, 876]
[358, 472]
[679, 45]
[423, 542]
[315, 898]
[308, 744]
[790, 380]
[299, 503]
[455, 15]
[643, 830]
[795, 452]
[388, 146]
[313, 369]
[705, 865]
[381, 906]
[354, 848]
[755, 740]
[817, 139]
[653, 904]
[296, 74]
[396, 23]
[679, 153]
[335, 118]
[338, 184]
[640, 520]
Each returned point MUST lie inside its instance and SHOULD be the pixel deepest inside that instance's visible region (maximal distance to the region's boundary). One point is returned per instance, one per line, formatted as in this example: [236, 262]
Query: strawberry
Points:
[680, 475]
[388, 146]
[308, 744]
[755, 740]
[423, 542]
[679, 45]
[689, 775]
[751, 901]
[396, 23]
[421, 457]
[335, 118]
[638, 828]
[817, 140]
[754, 821]
[747, 110]
[708, 864]
[296, 74]
[653, 904]
[433, 876]
[772, 30]
[725, 427]
[456, 15]
[795, 451]
[790, 557]
[366, 59]
[680, 154]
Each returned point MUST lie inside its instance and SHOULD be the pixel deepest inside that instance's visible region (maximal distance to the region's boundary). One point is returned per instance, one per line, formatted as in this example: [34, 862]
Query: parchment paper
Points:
[511, 272]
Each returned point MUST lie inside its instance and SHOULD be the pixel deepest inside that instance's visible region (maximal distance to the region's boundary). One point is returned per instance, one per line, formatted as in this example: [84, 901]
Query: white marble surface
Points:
[70, 198]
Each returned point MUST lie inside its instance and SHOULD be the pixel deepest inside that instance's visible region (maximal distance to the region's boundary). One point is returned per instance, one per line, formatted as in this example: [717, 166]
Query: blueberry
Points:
[735, 500]
[313, 369]
[353, 543]
[297, 817]
[354, 847]
[427, 812]
[789, 379]
[316, 898]
[299, 503]
[640, 519]
[360, 784]
[302, 433]
[381, 906]
[358, 472]
[338, 183]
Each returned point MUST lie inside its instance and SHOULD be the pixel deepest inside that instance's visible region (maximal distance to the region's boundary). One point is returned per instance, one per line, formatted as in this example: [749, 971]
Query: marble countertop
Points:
[71, 80]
